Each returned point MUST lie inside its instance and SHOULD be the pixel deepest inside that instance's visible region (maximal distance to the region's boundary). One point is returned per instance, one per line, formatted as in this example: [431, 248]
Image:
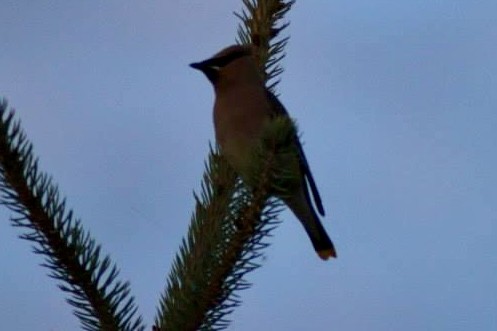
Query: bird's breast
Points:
[239, 117]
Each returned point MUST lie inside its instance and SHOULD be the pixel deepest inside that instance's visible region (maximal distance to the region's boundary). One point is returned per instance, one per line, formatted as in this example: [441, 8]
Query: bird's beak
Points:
[208, 68]
[197, 65]
[205, 65]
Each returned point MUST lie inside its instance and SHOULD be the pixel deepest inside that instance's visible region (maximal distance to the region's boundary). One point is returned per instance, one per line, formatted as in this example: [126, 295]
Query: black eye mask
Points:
[210, 67]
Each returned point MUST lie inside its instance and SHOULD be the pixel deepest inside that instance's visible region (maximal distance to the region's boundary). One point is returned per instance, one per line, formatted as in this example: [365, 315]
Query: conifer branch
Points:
[223, 242]
[260, 25]
[227, 231]
[100, 301]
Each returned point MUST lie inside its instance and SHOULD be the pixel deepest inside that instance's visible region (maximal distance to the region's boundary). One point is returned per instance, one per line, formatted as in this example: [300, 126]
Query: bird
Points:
[243, 105]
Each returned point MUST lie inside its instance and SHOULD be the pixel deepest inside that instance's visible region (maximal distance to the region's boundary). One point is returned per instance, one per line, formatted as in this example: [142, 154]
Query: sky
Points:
[397, 106]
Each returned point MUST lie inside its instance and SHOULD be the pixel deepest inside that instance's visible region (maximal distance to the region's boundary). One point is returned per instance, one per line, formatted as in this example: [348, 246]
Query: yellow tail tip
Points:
[325, 254]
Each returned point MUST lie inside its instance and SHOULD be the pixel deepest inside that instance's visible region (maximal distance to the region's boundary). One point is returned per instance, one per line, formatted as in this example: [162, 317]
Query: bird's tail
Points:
[302, 208]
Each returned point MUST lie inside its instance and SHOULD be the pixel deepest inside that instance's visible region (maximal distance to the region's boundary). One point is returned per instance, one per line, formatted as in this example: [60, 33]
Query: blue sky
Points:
[397, 106]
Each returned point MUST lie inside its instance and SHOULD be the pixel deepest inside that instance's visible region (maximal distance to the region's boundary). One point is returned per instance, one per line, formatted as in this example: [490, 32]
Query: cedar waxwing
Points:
[242, 107]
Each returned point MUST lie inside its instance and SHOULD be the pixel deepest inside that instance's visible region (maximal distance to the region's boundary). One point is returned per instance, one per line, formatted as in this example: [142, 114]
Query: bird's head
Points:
[233, 63]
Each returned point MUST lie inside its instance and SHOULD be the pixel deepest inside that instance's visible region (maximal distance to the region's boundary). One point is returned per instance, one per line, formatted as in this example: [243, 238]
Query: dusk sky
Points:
[397, 106]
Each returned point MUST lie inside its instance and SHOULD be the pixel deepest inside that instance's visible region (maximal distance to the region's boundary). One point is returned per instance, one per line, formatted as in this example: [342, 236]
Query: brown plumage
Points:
[242, 107]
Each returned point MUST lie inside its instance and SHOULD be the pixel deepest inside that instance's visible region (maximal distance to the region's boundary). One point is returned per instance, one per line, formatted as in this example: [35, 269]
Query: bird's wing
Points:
[279, 110]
